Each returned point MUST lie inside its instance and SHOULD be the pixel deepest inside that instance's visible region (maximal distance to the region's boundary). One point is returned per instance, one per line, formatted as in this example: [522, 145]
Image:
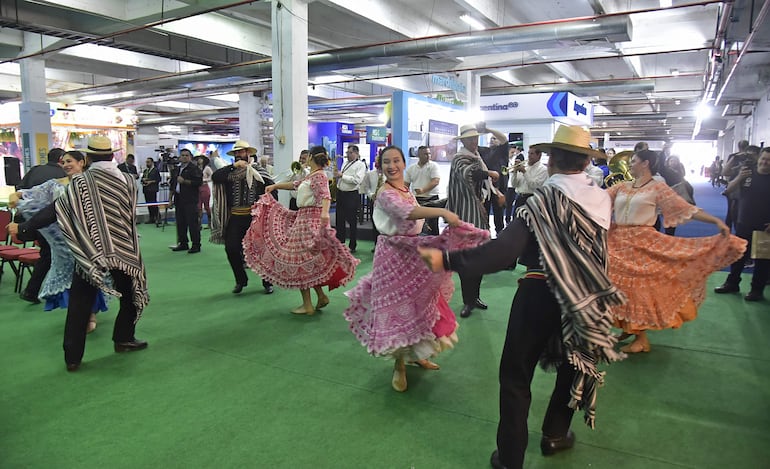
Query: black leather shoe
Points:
[466, 311]
[727, 288]
[194, 250]
[32, 299]
[238, 288]
[754, 295]
[352, 250]
[131, 346]
[269, 290]
[73, 367]
[181, 247]
[480, 304]
[149, 222]
[550, 446]
[495, 461]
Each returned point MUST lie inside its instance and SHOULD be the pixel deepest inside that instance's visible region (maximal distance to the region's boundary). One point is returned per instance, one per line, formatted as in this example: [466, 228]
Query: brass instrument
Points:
[619, 168]
[296, 167]
[505, 170]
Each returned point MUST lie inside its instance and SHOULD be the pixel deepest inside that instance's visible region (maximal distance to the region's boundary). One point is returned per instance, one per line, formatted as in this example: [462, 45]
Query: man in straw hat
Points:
[96, 215]
[236, 188]
[561, 312]
[186, 180]
[470, 186]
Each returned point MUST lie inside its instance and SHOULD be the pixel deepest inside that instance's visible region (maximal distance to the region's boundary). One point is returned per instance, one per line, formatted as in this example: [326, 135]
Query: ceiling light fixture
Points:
[563, 80]
[472, 22]
[666, 3]
[677, 102]
[675, 72]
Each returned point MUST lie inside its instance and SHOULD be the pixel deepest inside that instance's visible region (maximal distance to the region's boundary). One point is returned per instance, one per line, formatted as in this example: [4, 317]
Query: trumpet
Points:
[510, 169]
[296, 167]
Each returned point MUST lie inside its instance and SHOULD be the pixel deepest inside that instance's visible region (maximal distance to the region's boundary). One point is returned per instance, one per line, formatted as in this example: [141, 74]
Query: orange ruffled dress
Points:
[663, 276]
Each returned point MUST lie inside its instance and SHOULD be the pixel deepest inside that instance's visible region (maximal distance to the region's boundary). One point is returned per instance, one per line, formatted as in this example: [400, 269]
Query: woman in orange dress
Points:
[663, 276]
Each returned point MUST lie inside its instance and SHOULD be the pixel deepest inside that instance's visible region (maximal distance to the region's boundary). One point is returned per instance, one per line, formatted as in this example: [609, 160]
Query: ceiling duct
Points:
[582, 89]
[506, 39]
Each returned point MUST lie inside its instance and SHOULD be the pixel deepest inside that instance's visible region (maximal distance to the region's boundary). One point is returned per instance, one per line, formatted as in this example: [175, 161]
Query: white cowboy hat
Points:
[468, 130]
[99, 145]
[241, 145]
[571, 138]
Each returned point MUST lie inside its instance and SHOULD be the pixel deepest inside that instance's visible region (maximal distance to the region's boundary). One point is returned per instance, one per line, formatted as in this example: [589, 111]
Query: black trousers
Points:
[431, 222]
[470, 286]
[510, 196]
[535, 320]
[347, 207]
[187, 220]
[236, 230]
[761, 266]
[42, 266]
[150, 197]
[497, 212]
[81, 303]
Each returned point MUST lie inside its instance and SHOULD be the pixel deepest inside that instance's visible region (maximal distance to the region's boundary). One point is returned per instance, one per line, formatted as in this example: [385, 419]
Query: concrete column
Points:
[289, 32]
[34, 111]
[250, 121]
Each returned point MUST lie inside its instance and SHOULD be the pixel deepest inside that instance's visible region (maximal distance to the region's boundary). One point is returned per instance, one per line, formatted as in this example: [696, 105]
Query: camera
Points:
[166, 157]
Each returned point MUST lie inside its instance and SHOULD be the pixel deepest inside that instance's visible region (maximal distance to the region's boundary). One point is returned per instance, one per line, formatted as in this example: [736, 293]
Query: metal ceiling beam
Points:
[520, 37]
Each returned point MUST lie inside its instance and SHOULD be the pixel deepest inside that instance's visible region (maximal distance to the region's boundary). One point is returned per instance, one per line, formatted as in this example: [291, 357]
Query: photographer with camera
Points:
[751, 188]
[185, 181]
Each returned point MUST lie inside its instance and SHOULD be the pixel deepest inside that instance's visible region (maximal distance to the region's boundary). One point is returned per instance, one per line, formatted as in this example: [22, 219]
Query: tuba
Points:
[619, 171]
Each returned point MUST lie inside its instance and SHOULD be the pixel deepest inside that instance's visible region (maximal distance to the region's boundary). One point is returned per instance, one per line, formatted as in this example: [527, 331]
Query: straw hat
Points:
[99, 145]
[241, 145]
[468, 130]
[571, 138]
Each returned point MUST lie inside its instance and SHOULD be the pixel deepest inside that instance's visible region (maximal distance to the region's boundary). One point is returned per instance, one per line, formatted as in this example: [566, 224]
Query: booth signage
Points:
[376, 134]
[346, 129]
[449, 83]
[563, 107]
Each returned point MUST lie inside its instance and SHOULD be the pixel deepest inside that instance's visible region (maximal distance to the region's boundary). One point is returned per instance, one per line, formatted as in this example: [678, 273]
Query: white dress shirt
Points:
[533, 177]
[352, 175]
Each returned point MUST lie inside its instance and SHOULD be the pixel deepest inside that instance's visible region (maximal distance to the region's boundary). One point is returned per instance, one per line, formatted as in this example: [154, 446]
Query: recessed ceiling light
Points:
[675, 72]
[563, 80]
[666, 3]
[677, 102]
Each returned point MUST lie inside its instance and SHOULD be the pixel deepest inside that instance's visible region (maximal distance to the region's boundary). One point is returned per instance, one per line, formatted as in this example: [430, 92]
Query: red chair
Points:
[26, 262]
[11, 257]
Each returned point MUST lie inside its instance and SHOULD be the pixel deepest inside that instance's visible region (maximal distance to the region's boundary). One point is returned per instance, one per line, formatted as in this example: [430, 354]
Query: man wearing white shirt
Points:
[349, 179]
[423, 178]
[297, 172]
[529, 177]
[515, 156]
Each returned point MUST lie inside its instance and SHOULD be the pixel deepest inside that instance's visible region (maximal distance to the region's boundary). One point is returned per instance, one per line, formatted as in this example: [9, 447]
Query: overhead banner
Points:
[564, 107]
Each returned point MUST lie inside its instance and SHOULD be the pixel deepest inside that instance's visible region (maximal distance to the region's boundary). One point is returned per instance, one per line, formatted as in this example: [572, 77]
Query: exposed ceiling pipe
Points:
[588, 88]
[506, 39]
[756, 30]
[630, 117]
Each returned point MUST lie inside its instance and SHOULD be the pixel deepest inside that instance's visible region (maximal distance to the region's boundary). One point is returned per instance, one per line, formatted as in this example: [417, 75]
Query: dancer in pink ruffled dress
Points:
[298, 249]
[400, 309]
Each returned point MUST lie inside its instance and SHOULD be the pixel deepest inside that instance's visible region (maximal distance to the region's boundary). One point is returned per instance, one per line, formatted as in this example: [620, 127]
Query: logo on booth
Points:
[501, 107]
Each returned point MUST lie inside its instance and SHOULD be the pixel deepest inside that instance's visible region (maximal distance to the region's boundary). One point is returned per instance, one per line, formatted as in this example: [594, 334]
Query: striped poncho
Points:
[465, 195]
[97, 217]
[573, 251]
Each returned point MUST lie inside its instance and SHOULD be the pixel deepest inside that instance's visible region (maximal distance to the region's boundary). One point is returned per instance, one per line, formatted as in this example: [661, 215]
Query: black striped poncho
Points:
[573, 251]
[97, 217]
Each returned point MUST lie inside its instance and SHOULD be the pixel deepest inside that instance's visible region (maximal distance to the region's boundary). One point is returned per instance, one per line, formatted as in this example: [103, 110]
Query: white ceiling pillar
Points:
[290, 115]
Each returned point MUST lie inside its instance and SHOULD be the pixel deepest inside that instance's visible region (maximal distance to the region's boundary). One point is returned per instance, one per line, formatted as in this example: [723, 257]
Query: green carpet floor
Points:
[235, 381]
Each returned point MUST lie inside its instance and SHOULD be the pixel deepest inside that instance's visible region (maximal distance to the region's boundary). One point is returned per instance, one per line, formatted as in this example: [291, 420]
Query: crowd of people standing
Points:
[594, 259]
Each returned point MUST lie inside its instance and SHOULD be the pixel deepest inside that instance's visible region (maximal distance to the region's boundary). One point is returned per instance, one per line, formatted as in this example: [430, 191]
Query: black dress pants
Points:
[236, 230]
[470, 286]
[81, 303]
[42, 266]
[431, 222]
[535, 320]
[152, 197]
[761, 266]
[510, 197]
[187, 220]
[347, 207]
